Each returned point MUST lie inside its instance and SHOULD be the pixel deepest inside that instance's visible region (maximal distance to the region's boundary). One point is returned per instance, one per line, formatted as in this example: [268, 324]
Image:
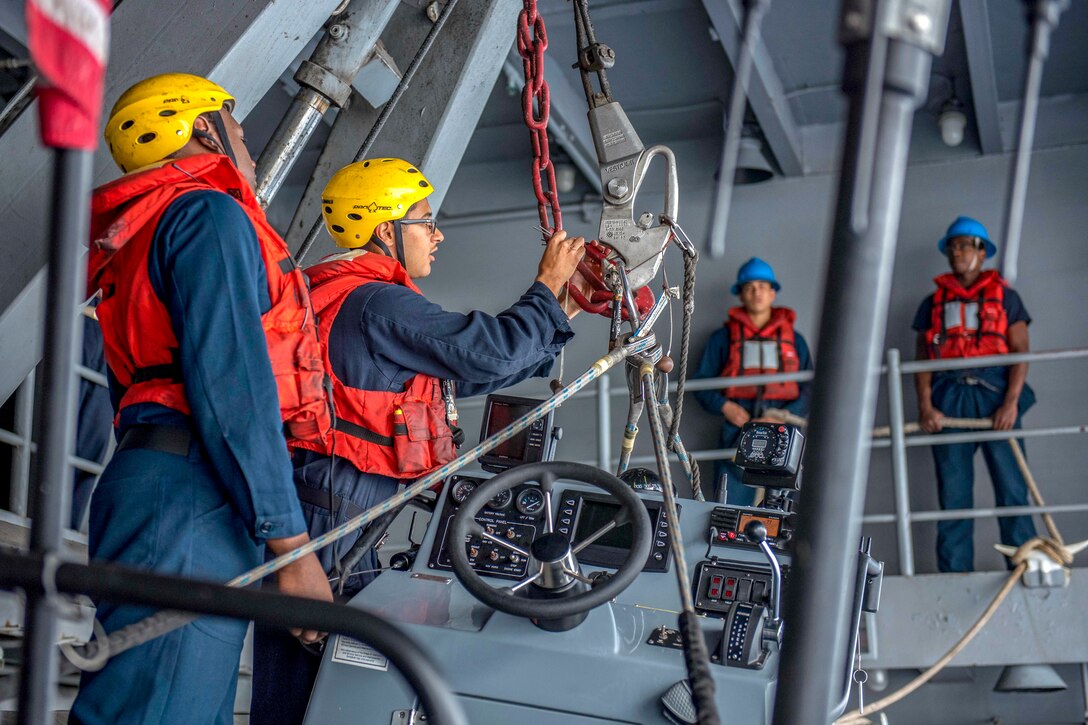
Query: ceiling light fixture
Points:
[952, 121]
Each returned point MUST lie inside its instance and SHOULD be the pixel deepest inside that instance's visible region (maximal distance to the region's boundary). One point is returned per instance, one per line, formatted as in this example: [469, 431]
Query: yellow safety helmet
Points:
[362, 195]
[154, 118]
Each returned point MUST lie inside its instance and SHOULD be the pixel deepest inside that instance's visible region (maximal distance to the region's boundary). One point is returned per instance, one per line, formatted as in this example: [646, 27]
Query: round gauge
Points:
[463, 489]
[530, 502]
[502, 500]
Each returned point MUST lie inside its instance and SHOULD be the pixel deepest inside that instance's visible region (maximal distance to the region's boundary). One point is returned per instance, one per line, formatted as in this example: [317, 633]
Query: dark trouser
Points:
[284, 671]
[956, 477]
[166, 513]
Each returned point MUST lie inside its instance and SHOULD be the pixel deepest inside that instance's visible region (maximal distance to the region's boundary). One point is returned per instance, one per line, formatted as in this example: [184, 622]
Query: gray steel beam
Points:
[921, 617]
[980, 62]
[243, 46]
[434, 120]
[21, 335]
[765, 93]
[327, 78]
[567, 121]
[13, 28]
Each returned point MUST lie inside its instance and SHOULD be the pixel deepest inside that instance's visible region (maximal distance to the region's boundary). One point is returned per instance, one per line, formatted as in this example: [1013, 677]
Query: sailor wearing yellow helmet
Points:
[395, 360]
[205, 323]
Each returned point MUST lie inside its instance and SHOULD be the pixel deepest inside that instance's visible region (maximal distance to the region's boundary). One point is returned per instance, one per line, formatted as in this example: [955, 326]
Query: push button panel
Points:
[719, 585]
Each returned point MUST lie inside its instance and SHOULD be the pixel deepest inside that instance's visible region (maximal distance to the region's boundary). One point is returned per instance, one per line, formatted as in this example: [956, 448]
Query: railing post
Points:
[20, 455]
[604, 424]
[899, 465]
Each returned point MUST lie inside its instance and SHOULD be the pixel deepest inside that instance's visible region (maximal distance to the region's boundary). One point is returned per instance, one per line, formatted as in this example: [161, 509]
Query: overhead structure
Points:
[325, 80]
[434, 120]
[765, 93]
[244, 47]
[975, 20]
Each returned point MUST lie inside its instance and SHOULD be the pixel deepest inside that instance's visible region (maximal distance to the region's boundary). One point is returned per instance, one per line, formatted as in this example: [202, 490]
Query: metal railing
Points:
[903, 517]
[20, 438]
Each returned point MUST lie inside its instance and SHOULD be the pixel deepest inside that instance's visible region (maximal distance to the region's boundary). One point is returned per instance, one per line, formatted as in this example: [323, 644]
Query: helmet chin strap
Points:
[398, 242]
[223, 142]
[398, 239]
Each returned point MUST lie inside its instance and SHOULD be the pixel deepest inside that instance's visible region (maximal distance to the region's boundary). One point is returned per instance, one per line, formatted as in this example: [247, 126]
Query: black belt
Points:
[320, 499]
[157, 438]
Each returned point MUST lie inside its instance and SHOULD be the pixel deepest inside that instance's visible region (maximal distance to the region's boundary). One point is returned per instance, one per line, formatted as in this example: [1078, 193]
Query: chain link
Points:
[536, 106]
[532, 41]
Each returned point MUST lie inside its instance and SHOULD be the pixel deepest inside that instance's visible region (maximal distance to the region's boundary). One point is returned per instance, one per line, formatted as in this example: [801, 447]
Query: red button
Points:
[732, 535]
[781, 429]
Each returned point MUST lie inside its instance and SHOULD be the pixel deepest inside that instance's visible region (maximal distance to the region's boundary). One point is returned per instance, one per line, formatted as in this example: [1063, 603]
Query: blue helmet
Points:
[965, 226]
[755, 270]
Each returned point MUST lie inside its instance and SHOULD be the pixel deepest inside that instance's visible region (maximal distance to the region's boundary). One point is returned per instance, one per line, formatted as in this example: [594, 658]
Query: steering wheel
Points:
[551, 552]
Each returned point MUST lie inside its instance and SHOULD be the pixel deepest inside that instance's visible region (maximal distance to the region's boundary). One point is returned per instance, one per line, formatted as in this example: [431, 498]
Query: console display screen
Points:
[594, 515]
[772, 524]
[499, 415]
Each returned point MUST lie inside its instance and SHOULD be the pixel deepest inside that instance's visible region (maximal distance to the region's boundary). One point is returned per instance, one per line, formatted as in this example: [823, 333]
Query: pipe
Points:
[885, 80]
[940, 439]
[325, 80]
[123, 584]
[604, 423]
[387, 110]
[899, 465]
[734, 120]
[288, 141]
[984, 361]
[70, 226]
[17, 104]
[1044, 19]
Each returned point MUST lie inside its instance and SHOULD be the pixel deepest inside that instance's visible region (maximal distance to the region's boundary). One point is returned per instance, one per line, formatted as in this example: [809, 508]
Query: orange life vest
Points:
[968, 322]
[398, 434]
[140, 344]
[762, 351]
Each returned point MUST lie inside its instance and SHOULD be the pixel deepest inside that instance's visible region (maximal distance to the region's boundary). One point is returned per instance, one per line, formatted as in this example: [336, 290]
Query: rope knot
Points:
[1051, 548]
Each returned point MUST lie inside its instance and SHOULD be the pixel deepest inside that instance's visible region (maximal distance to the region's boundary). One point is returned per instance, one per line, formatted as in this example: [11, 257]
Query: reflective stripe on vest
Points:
[752, 351]
[139, 340]
[397, 434]
[968, 322]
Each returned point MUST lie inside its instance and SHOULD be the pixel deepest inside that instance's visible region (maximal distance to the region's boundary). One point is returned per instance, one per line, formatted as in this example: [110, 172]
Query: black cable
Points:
[123, 584]
[387, 110]
[370, 536]
[697, 660]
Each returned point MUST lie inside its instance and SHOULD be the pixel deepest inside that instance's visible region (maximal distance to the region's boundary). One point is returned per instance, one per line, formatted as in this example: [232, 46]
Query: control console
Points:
[728, 524]
[769, 454]
[515, 515]
[586, 513]
[718, 584]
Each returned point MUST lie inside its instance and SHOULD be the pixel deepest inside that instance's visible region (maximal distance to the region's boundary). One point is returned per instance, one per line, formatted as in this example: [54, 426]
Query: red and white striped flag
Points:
[69, 42]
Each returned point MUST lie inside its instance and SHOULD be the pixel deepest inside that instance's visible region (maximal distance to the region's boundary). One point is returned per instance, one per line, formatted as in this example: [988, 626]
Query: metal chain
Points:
[532, 41]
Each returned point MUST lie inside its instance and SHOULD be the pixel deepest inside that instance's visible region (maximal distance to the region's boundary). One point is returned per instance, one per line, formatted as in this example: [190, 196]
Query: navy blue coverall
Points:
[976, 393]
[204, 514]
[382, 336]
[715, 355]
